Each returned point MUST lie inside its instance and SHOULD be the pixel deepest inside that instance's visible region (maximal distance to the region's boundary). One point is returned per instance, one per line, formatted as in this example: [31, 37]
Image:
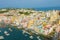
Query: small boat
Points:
[1, 37]
[6, 33]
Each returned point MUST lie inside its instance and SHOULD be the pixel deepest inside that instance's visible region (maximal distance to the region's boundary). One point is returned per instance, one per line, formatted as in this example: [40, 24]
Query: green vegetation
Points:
[26, 13]
[3, 11]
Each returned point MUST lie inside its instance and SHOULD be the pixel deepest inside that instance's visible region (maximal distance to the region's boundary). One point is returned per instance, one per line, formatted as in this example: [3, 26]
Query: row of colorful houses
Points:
[41, 22]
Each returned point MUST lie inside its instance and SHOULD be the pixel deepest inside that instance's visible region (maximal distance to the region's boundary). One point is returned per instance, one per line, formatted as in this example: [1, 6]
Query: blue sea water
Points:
[17, 35]
[47, 8]
[38, 9]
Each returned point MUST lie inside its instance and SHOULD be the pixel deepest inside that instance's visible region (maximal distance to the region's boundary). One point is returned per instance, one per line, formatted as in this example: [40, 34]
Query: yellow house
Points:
[53, 17]
[31, 22]
[59, 22]
[13, 18]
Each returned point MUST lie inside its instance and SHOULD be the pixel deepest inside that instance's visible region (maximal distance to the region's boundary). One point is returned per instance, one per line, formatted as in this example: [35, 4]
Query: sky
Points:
[29, 3]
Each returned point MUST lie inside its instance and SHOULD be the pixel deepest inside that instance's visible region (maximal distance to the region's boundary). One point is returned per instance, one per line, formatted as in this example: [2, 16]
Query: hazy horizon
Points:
[29, 3]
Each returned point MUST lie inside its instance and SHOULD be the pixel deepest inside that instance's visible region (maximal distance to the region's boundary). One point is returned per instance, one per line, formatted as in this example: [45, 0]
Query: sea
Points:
[17, 34]
[47, 8]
